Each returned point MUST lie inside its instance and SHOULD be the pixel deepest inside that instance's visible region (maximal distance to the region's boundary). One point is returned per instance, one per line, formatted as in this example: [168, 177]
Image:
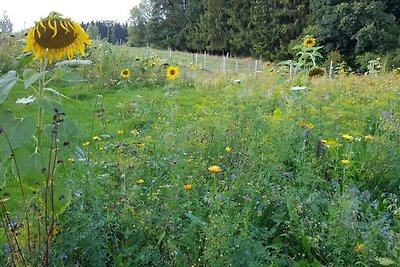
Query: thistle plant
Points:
[30, 148]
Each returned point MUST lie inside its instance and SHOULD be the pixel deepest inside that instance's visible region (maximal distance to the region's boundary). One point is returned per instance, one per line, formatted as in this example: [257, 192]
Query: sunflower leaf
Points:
[25, 58]
[68, 76]
[7, 82]
[30, 76]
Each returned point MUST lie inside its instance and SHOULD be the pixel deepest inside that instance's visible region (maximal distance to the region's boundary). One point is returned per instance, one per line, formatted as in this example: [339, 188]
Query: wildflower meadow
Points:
[114, 157]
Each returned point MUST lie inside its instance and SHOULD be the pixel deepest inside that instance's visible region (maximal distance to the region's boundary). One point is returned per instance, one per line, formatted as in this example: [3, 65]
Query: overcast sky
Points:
[23, 13]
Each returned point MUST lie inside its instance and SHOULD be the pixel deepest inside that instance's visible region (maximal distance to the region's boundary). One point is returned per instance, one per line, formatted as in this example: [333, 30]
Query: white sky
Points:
[24, 13]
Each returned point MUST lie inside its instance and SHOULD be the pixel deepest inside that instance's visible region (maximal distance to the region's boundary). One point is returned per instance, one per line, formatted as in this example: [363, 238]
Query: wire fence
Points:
[204, 61]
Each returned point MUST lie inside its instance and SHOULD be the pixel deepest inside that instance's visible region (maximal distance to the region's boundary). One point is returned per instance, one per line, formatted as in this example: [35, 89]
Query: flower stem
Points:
[39, 127]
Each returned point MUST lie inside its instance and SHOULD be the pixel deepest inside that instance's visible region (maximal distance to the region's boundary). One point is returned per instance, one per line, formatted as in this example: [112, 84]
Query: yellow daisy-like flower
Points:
[214, 169]
[306, 125]
[125, 73]
[56, 37]
[120, 132]
[86, 143]
[71, 160]
[193, 66]
[96, 138]
[172, 72]
[345, 161]
[329, 143]
[368, 137]
[187, 186]
[228, 149]
[347, 137]
[141, 144]
[309, 42]
[140, 181]
[135, 132]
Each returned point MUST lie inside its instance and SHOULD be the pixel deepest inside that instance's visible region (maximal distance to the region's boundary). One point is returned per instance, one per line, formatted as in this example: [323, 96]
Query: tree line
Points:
[111, 31]
[267, 28]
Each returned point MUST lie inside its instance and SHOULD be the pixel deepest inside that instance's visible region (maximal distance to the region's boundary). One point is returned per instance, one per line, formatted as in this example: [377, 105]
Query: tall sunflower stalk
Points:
[51, 39]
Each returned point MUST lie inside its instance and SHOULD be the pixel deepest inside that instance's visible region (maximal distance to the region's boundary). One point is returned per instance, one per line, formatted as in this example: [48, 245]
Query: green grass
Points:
[282, 198]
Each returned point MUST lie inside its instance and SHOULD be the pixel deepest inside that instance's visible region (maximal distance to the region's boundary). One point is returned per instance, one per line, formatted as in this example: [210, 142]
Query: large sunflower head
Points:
[172, 72]
[309, 42]
[56, 37]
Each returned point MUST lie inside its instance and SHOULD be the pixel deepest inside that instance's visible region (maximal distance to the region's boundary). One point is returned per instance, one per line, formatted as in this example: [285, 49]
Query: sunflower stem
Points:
[39, 129]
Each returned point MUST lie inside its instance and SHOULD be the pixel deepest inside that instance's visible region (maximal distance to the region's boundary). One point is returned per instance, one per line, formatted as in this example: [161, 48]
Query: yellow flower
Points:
[140, 144]
[359, 248]
[101, 148]
[140, 181]
[347, 137]
[228, 150]
[125, 73]
[193, 66]
[86, 143]
[56, 37]
[306, 125]
[96, 138]
[187, 186]
[368, 137]
[120, 132]
[329, 143]
[309, 42]
[345, 161]
[214, 169]
[172, 72]
[71, 160]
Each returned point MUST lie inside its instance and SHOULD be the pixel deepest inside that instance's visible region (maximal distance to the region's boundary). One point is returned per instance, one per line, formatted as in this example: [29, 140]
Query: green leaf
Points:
[30, 168]
[7, 82]
[25, 58]
[18, 131]
[30, 76]
[48, 104]
[385, 261]
[66, 75]
[196, 219]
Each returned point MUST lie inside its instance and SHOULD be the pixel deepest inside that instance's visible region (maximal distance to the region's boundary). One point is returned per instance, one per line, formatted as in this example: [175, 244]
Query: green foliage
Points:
[355, 26]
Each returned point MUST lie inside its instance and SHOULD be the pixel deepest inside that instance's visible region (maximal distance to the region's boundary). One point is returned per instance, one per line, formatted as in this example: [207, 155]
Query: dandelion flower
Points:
[96, 138]
[101, 148]
[345, 161]
[56, 37]
[172, 72]
[187, 186]
[140, 181]
[125, 73]
[193, 66]
[347, 137]
[228, 150]
[86, 143]
[214, 169]
[309, 42]
[71, 160]
[120, 132]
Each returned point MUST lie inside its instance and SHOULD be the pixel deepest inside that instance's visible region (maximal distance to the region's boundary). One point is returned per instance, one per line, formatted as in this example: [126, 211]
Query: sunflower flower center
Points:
[55, 34]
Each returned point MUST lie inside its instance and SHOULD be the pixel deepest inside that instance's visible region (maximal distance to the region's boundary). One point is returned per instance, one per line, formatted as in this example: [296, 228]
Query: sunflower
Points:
[125, 73]
[172, 72]
[56, 37]
[309, 42]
